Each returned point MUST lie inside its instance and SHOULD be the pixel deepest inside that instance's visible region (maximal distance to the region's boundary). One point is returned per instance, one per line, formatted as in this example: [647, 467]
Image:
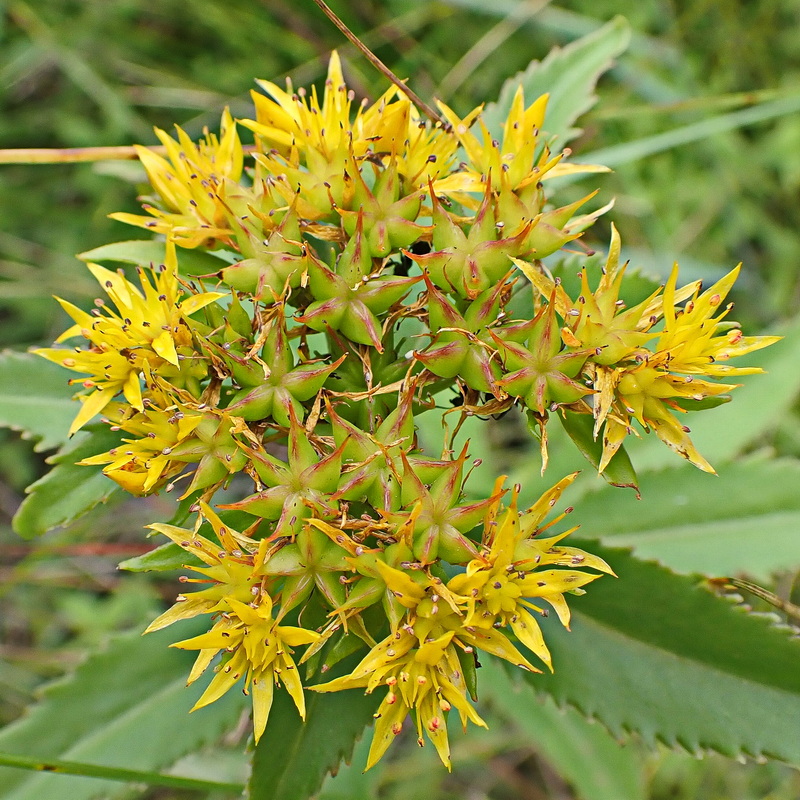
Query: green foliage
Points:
[163, 558]
[35, 399]
[647, 146]
[293, 757]
[697, 171]
[569, 75]
[146, 251]
[619, 472]
[585, 754]
[655, 654]
[123, 707]
[742, 521]
[57, 766]
[69, 490]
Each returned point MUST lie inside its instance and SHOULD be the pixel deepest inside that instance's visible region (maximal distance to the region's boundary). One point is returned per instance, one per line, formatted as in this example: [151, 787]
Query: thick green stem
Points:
[115, 773]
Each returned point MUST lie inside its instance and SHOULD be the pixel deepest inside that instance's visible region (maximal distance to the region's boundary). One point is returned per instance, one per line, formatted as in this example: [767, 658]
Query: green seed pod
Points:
[354, 311]
[540, 372]
[386, 219]
[468, 264]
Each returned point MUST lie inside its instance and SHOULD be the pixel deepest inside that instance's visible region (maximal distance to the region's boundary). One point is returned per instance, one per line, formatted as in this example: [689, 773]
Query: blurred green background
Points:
[699, 119]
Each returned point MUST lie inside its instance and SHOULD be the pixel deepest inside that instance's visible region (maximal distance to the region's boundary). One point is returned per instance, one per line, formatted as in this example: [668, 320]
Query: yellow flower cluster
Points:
[441, 623]
[650, 361]
[148, 330]
[349, 230]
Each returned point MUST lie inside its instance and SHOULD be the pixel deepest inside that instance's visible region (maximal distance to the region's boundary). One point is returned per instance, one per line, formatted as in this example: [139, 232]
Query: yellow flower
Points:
[290, 122]
[173, 432]
[501, 583]
[229, 570]
[694, 341]
[650, 396]
[638, 372]
[690, 347]
[598, 319]
[512, 164]
[255, 648]
[313, 149]
[423, 677]
[428, 151]
[418, 662]
[144, 463]
[148, 327]
[191, 185]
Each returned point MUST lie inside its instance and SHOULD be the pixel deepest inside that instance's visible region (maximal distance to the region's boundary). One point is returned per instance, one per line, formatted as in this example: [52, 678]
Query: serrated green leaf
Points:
[569, 74]
[756, 408]
[744, 520]
[655, 653]
[127, 706]
[68, 491]
[620, 471]
[149, 251]
[160, 559]
[35, 398]
[293, 757]
[351, 782]
[584, 754]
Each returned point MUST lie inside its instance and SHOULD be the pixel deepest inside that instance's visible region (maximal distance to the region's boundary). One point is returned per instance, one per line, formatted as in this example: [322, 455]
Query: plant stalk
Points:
[428, 110]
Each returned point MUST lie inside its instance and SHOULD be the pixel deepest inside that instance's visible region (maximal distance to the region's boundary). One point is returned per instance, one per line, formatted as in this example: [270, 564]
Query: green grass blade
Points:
[694, 132]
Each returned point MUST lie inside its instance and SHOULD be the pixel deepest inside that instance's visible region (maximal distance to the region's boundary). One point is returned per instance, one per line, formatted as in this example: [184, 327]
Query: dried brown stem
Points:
[788, 608]
[68, 155]
[78, 155]
[429, 111]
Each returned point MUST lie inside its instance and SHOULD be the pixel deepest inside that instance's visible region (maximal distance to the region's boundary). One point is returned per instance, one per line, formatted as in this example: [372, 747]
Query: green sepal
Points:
[210, 470]
[353, 310]
[688, 404]
[468, 264]
[346, 644]
[269, 267]
[469, 670]
[386, 219]
[287, 561]
[238, 319]
[331, 588]
[355, 261]
[265, 402]
[540, 371]
[296, 589]
[580, 427]
[273, 397]
[365, 593]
